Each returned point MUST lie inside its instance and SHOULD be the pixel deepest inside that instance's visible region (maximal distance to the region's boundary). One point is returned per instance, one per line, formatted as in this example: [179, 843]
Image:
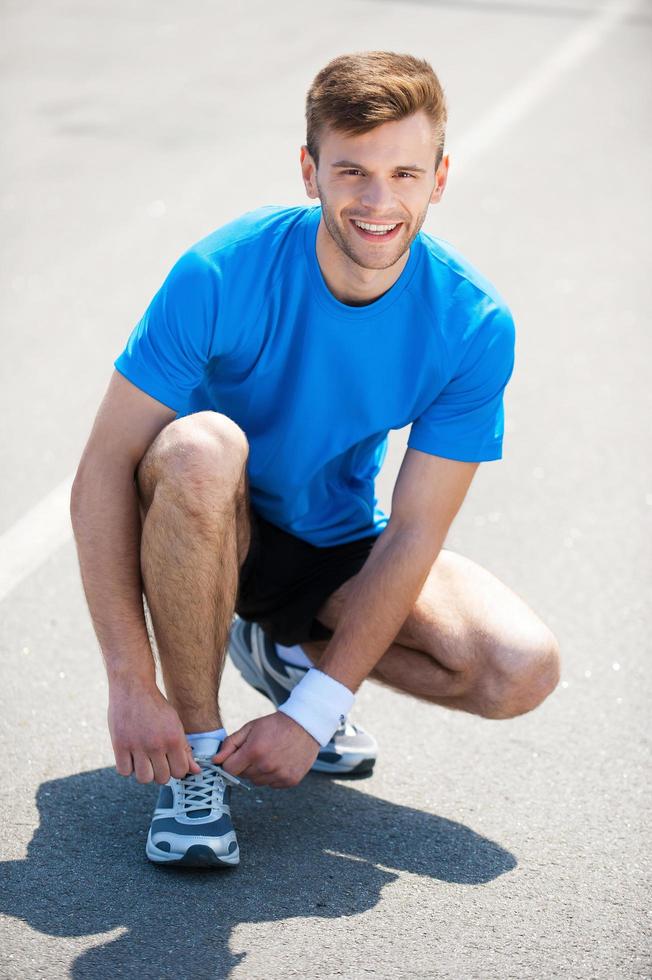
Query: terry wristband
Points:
[318, 703]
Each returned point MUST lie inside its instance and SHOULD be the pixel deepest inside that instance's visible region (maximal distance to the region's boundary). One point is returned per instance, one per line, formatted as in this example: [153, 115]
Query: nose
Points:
[377, 197]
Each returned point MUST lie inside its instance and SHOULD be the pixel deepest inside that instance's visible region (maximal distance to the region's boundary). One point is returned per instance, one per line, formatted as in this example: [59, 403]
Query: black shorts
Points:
[284, 580]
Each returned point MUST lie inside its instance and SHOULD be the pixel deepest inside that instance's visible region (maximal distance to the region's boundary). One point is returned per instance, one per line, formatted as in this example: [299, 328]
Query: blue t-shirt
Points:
[244, 324]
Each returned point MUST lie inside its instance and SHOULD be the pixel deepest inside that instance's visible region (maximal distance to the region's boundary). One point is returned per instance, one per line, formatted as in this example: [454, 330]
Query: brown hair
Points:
[354, 93]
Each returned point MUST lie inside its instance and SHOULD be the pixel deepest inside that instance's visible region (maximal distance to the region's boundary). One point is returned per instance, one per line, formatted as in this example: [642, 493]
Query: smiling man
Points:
[229, 476]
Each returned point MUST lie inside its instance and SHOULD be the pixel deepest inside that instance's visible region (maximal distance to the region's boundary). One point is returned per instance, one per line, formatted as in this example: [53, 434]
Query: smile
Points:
[373, 232]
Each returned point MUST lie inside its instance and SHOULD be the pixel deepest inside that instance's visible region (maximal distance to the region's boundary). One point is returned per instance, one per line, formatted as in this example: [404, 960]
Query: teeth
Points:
[378, 229]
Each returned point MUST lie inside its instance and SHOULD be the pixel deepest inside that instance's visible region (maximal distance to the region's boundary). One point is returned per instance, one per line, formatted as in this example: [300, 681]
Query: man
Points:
[231, 470]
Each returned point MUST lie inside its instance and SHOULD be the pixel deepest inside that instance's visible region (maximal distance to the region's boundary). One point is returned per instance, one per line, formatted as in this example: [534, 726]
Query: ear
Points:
[441, 176]
[308, 172]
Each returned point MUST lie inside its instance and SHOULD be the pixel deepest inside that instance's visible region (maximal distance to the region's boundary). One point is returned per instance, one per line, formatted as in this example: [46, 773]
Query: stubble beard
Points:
[344, 245]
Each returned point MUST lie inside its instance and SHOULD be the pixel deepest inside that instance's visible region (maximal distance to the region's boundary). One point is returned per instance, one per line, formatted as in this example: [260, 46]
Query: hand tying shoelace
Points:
[350, 751]
[198, 788]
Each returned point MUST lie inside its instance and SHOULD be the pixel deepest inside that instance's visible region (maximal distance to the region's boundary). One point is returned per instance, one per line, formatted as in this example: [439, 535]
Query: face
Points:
[384, 177]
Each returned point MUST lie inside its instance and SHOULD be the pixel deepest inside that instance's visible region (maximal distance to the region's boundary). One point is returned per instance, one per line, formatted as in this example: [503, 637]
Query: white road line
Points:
[537, 85]
[34, 537]
[44, 528]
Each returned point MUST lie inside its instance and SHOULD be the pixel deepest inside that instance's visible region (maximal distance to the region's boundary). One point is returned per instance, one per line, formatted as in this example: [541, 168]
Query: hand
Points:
[270, 751]
[147, 734]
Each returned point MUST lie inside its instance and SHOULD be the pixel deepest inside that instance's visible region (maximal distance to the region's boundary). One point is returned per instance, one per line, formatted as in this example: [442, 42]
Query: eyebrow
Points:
[358, 166]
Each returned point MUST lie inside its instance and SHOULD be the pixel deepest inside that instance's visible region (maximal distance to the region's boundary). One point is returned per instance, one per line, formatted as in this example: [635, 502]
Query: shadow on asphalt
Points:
[322, 849]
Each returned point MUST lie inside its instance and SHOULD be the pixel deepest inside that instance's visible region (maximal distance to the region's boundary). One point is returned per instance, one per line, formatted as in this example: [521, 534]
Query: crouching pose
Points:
[229, 476]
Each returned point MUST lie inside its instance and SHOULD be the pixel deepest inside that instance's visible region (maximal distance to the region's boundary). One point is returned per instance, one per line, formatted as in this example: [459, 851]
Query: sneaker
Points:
[192, 825]
[351, 751]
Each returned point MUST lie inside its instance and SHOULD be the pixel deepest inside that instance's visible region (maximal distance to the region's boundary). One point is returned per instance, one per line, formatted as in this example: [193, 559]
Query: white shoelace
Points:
[199, 790]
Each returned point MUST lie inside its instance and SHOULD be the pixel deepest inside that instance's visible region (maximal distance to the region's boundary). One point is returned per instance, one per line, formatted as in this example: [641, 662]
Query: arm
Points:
[429, 491]
[106, 522]
[105, 515]
[465, 420]
[428, 494]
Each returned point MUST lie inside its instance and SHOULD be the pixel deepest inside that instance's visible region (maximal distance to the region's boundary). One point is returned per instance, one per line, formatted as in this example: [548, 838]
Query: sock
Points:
[293, 655]
[195, 737]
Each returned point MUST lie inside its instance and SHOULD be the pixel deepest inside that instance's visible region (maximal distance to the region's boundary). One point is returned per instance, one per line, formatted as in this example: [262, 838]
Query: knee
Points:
[195, 459]
[520, 678]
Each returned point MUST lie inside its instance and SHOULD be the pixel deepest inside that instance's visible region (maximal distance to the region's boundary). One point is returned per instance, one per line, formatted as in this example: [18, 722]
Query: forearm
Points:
[106, 523]
[380, 600]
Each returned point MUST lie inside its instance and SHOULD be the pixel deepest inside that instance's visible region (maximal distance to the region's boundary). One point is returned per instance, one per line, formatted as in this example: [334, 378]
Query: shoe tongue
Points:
[205, 747]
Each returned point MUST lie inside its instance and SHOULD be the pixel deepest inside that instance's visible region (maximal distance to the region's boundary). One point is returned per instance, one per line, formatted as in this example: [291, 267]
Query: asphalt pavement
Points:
[478, 849]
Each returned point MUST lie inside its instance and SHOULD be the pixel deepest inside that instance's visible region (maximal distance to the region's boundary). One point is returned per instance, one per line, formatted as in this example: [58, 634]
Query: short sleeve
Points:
[466, 419]
[168, 350]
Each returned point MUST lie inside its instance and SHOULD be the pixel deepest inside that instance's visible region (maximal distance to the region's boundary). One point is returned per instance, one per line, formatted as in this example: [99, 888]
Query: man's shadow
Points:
[322, 849]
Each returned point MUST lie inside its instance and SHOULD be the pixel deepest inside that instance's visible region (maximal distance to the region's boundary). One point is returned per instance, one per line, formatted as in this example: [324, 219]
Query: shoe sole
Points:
[363, 768]
[197, 856]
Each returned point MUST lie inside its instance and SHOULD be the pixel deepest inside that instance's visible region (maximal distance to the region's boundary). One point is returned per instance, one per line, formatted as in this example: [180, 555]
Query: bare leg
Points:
[195, 537]
[470, 643]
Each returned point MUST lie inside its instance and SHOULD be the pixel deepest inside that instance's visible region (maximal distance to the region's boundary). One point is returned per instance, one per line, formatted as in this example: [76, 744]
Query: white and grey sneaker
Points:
[351, 751]
[192, 824]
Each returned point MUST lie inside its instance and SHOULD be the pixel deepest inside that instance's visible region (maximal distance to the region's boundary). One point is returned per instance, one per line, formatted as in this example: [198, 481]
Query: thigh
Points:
[462, 612]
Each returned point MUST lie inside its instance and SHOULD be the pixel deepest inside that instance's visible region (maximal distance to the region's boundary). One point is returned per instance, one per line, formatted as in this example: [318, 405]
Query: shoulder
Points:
[259, 229]
[470, 304]
[241, 258]
[457, 272]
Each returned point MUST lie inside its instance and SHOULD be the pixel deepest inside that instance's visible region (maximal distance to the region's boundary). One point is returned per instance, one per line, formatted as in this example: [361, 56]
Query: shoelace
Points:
[198, 788]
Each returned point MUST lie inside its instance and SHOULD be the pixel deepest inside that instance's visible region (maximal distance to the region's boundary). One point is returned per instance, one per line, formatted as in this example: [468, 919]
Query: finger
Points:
[123, 762]
[258, 777]
[281, 784]
[160, 767]
[179, 762]
[238, 763]
[232, 743]
[143, 768]
[191, 763]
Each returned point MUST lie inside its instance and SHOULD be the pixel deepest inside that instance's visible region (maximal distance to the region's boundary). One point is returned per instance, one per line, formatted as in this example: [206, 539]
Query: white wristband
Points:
[318, 703]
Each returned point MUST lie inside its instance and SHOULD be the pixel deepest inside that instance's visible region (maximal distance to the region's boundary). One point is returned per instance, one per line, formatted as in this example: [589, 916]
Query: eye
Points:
[352, 171]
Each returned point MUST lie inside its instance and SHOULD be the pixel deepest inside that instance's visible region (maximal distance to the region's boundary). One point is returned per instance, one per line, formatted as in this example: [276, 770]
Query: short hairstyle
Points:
[354, 93]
